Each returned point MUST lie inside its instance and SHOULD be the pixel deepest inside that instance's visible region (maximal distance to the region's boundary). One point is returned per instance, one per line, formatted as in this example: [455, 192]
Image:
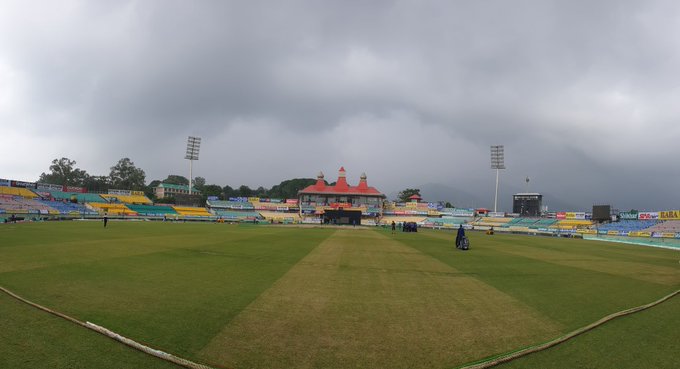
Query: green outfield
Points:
[246, 296]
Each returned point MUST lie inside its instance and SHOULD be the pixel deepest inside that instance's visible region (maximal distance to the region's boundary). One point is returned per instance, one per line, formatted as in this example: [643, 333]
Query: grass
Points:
[259, 297]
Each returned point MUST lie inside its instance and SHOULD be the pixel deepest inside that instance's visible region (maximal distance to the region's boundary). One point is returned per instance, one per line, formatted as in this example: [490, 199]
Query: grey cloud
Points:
[574, 89]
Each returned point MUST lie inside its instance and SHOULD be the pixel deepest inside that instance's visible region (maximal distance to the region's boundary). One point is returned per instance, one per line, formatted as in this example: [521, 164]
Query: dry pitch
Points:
[284, 297]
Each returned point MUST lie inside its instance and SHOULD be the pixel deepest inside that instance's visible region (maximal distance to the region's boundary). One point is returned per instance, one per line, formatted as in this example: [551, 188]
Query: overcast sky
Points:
[585, 95]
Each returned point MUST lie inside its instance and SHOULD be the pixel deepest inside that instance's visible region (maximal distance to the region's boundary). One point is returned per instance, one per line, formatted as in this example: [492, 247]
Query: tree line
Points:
[125, 175]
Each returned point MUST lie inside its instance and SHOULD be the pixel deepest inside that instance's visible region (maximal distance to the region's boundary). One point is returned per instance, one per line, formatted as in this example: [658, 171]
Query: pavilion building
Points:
[341, 203]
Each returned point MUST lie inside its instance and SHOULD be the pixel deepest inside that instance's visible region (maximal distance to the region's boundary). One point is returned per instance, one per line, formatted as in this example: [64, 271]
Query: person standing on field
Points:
[394, 226]
[460, 235]
[106, 220]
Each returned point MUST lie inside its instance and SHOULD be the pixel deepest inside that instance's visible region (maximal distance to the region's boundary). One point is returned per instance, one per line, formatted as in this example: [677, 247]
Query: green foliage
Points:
[97, 183]
[64, 172]
[405, 194]
[177, 180]
[125, 175]
[245, 191]
[288, 189]
[199, 182]
[448, 205]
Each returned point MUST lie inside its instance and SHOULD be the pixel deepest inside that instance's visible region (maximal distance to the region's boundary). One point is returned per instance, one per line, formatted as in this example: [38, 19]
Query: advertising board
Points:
[119, 192]
[73, 189]
[49, 187]
[23, 184]
[669, 215]
[5, 182]
[628, 215]
[648, 215]
[560, 215]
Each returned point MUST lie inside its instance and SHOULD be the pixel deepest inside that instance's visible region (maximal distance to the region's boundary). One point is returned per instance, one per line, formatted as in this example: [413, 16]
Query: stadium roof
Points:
[341, 187]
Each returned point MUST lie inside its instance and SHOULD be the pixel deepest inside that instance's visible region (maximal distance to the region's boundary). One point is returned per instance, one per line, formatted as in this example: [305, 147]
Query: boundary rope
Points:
[113, 335]
[504, 358]
[483, 364]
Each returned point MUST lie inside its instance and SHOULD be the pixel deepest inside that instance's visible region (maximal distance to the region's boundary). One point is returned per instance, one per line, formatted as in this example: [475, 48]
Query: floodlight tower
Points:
[498, 163]
[193, 146]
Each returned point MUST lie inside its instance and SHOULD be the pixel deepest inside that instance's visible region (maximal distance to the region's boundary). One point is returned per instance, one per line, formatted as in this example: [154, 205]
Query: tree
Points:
[125, 175]
[405, 194]
[176, 180]
[288, 189]
[199, 182]
[229, 192]
[63, 172]
[448, 205]
[245, 191]
[97, 183]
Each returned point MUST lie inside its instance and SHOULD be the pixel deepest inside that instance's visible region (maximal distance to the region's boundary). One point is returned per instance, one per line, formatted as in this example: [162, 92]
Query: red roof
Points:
[341, 187]
[415, 197]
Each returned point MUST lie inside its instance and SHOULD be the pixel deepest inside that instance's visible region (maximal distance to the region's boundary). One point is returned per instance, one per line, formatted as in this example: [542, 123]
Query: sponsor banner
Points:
[677, 235]
[238, 199]
[601, 231]
[656, 234]
[340, 205]
[137, 193]
[589, 231]
[5, 182]
[23, 184]
[48, 187]
[649, 215]
[463, 213]
[668, 235]
[281, 208]
[644, 234]
[291, 201]
[623, 233]
[613, 233]
[561, 215]
[628, 215]
[669, 215]
[119, 192]
[213, 198]
[253, 199]
[575, 215]
[73, 189]
[43, 194]
[496, 215]
[432, 205]
[276, 201]
[265, 200]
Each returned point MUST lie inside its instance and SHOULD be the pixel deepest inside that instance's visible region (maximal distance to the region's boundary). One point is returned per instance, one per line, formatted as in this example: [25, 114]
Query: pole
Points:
[190, 175]
[495, 200]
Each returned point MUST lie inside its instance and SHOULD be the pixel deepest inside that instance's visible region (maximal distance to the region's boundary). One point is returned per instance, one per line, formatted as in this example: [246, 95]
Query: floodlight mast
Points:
[498, 163]
[193, 147]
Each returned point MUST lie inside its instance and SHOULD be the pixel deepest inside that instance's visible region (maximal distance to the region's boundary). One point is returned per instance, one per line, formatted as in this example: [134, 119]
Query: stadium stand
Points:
[152, 210]
[567, 224]
[238, 215]
[446, 222]
[388, 219]
[191, 211]
[127, 199]
[68, 208]
[668, 226]
[279, 217]
[236, 205]
[624, 226]
[17, 191]
[111, 209]
[543, 223]
[80, 197]
[21, 205]
[492, 222]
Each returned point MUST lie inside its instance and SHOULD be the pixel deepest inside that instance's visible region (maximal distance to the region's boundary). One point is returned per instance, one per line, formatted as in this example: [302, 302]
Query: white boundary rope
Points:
[115, 336]
[478, 365]
[504, 358]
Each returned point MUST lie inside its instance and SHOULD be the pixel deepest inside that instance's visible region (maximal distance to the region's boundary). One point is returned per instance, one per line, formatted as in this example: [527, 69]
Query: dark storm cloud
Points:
[583, 94]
